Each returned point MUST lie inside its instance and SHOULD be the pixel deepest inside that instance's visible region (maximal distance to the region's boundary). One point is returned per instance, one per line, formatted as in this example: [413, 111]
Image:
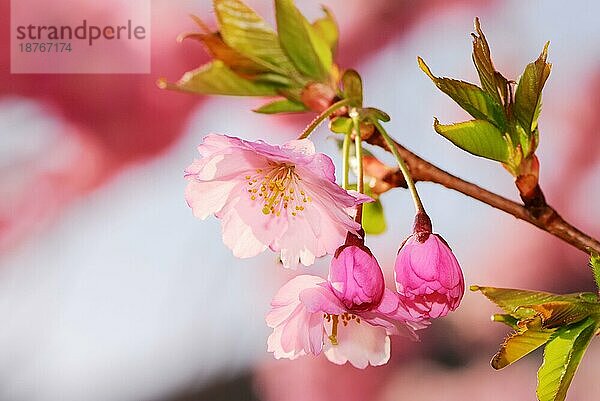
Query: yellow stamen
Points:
[276, 187]
[334, 329]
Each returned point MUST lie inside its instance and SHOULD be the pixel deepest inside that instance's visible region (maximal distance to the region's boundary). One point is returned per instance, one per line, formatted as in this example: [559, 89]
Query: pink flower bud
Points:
[427, 273]
[356, 278]
[317, 96]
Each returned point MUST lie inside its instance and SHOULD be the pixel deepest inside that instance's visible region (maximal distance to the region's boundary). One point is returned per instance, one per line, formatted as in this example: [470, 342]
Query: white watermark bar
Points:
[80, 36]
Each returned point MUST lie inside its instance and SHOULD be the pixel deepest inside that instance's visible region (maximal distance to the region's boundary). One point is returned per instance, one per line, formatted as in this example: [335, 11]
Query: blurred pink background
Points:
[111, 290]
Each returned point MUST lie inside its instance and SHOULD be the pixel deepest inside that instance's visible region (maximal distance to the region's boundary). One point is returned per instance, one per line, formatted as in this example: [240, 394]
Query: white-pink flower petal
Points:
[360, 344]
[296, 330]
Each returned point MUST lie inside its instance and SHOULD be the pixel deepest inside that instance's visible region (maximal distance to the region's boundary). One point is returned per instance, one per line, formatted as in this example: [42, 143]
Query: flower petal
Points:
[302, 146]
[356, 277]
[296, 330]
[206, 198]
[321, 299]
[393, 315]
[290, 291]
[274, 346]
[360, 344]
[239, 236]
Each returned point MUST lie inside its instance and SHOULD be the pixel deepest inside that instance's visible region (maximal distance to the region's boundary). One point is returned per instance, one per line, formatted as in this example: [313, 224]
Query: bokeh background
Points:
[111, 290]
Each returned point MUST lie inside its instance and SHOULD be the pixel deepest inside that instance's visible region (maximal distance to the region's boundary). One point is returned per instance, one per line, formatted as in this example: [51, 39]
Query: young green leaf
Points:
[309, 52]
[327, 28]
[281, 106]
[352, 85]
[561, 359]
[477, 137]
[561, 313]
[470, 97]
[215, 78]
[511, 300]
[215, 46]
[245, 31]
[275, 79]
[341, 125]
[374, 218]
[528, 97]
[507, 319]
[519, 344]
[372, 114]
[595, 265]
[492, 82]
[588, 297]
[526, 140]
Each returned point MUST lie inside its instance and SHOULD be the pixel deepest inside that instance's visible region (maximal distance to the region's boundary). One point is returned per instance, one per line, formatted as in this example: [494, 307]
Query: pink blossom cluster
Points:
[285, 198]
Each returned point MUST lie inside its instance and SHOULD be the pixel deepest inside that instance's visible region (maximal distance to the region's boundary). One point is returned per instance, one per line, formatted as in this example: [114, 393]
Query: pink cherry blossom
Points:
[428, 276]
[348, 317]
[280, 197]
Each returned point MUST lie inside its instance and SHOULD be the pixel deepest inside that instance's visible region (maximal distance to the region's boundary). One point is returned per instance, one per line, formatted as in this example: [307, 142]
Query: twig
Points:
[543, 217]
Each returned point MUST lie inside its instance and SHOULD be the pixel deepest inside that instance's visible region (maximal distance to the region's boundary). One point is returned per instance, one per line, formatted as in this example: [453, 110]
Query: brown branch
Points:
[542, 216]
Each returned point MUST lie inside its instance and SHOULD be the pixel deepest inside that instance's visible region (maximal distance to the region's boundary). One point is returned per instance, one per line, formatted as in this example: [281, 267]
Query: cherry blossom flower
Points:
[427, 274]
[349, 317]
[280, 197]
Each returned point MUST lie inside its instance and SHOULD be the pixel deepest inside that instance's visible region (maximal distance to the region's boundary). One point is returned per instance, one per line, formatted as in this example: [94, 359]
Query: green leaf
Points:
[588, 297]
[492, 82]
[245, 31]
[478, 137]
[373, 114]
[507, 319]
[470, 97]
[561, 313]
[341, 125]
[523, 138]
[327, 28]
[273, 78]
[595, 265]
[281, 106]
[511, 300]
[561, 359]
[353, 88]
[309, 52]
[518, 344]
[374, 218]
[214, 45]
[215, 78]
[528, 97]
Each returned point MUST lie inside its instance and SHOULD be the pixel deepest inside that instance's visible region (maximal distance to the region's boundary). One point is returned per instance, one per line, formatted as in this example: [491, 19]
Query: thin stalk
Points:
[346, 161]
[321, 117]
[403, 168]
[360, 178]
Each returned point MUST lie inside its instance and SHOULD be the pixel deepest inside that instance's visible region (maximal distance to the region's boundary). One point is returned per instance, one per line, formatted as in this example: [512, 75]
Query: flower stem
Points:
[346, 161]
[360, 180]
[403, 167]
[321, 117]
